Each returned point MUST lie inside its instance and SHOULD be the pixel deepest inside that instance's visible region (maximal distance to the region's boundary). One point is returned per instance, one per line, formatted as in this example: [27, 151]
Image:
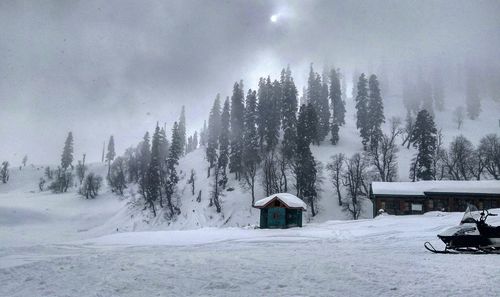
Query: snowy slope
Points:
[28, 216]
[21, 204]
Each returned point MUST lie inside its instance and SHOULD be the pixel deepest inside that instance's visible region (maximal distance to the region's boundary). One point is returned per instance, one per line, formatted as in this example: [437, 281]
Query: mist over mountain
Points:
[117, 67]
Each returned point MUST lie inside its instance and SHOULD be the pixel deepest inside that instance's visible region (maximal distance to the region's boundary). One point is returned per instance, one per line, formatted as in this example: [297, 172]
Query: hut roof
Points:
[421, 188]
[289, 200]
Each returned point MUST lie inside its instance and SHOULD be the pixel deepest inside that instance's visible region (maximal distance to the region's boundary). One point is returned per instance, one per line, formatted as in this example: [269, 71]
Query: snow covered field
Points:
[376, 257]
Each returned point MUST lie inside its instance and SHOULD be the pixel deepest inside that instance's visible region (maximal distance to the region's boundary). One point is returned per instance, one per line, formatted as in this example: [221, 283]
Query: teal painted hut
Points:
[281, 210]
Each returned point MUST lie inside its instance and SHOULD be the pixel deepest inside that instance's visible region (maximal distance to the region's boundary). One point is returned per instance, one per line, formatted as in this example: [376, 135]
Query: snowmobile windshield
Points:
[471, 215]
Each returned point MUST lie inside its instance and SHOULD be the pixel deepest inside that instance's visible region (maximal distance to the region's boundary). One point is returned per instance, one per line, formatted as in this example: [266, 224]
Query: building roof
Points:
[422, 188]
[289, 200]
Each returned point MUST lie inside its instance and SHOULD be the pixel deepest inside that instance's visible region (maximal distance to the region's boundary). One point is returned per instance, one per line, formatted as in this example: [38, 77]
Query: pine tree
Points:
[144, 157]
[154, 173]
[4, 172]
[324, 111]
[175, 151]
[224, 144]
[268, 113]
[171, 170]
[195, 140]
[110, 155]
[213, 133]
[67, 155]
[163, 145]
[189, 144]
[237, 122]
[288, 114]
[251, 157]
[375, 112]
[312, 124]
[317, 95]
[335, 133]
[204, 134]
[338, 105]
[273, 118]
[424, 138]
[362, 110]
[182, 129]
[305, 167]
[343, 85]
[263, 95]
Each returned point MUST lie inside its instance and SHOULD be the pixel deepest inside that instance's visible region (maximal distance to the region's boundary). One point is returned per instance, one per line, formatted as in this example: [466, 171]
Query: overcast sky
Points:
[116, 67]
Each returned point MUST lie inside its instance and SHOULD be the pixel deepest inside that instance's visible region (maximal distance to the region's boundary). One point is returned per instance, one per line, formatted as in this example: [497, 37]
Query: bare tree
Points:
[271, 174]
[383, 156]
[117, 176]
[476, 164]
[91, 186]
[458, 158]
[249, 174]
[489, 148]
[438, 172]
[459, 116]
[81, 169]
[336, 167]
[355, 178]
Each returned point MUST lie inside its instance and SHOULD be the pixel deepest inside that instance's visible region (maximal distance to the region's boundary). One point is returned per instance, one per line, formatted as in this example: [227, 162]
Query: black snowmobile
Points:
[473, 235]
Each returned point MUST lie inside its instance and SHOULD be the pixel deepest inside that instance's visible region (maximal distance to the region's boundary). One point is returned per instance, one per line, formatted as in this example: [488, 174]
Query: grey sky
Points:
[116, 67]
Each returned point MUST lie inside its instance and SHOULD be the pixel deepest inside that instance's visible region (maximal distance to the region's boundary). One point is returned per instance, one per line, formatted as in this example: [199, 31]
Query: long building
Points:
[403, 198]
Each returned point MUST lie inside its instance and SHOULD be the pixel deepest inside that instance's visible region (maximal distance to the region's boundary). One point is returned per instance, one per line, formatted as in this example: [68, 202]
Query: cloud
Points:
[117, 67]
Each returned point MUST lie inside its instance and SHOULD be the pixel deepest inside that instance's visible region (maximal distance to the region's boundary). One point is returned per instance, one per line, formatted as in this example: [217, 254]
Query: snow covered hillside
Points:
[380, 257]
[21, 203]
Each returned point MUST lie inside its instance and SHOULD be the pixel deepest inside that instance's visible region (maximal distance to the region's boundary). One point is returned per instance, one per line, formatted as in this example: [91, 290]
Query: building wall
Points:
[417, 205]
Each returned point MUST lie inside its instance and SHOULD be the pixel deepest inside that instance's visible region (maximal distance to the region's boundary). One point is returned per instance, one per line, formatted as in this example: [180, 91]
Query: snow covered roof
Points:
[289, 200]
[420, 188]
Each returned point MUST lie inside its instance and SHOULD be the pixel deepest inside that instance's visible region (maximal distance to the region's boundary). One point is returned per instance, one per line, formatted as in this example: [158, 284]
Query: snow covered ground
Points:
[374, 257]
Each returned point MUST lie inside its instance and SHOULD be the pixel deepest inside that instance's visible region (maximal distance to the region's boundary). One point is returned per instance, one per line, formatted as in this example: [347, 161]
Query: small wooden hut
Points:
[280, 210]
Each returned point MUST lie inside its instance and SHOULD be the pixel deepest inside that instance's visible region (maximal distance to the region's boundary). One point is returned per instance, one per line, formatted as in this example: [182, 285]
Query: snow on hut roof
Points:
[421, 187]
[289, 200]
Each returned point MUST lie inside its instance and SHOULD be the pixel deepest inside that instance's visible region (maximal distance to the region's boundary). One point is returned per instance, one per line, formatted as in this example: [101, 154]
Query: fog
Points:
[98, 68]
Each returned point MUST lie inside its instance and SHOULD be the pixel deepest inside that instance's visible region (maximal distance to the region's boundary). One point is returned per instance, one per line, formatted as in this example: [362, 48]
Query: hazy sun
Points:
[274, 18]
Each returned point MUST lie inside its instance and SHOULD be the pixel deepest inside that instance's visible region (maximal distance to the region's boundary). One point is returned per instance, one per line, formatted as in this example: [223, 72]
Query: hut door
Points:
[276, 217]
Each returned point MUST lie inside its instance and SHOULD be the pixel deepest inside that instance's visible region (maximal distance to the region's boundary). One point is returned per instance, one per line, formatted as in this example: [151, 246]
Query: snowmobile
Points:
[473, 235]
